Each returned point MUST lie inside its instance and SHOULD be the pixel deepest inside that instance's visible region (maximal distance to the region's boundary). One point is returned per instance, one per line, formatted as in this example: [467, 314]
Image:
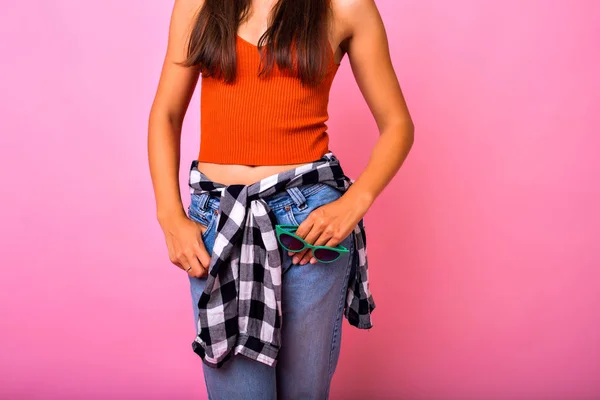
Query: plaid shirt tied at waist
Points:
[240, 307]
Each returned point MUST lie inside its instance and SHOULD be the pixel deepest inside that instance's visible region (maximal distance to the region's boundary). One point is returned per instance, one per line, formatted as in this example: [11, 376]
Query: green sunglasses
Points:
[292, 242]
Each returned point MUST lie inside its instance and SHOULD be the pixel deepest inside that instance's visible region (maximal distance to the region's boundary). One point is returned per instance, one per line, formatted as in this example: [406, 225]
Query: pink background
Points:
[484, 250]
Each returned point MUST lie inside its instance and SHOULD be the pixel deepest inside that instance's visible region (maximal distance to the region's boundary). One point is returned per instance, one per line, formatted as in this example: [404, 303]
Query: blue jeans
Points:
[313, 297]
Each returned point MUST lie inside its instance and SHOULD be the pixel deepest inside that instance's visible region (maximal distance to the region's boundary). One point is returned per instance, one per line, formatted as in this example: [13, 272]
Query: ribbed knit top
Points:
[263, 121]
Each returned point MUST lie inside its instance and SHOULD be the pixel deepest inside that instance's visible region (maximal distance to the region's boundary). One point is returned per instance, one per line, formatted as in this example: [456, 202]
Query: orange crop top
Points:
[258, 121]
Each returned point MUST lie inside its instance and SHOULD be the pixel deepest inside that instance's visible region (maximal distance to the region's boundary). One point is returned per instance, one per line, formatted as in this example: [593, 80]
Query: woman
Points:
[265, 188]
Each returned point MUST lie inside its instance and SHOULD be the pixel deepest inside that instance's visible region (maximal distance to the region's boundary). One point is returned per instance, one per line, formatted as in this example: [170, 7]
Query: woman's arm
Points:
[368, 53]
[371, 64]
[175, 89]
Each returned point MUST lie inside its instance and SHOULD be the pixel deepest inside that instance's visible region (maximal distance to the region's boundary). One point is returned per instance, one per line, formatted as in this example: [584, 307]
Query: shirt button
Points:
[216, 211]
[288, 208]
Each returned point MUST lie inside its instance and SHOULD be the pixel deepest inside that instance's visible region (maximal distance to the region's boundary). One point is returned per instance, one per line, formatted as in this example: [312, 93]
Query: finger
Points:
[190, 260]
[298, 256]
[203, 273]
[201, 254]
[333, 242]
[173, 257]
[202, 228]
[324, 240]
[306, 257]
[302, 230]
[180, 264]
[200, 250]
[305, 226]
[313, 237]
[314, 234]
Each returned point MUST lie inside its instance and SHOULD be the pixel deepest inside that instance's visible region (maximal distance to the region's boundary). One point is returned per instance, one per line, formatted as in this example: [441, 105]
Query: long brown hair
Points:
[295, 40]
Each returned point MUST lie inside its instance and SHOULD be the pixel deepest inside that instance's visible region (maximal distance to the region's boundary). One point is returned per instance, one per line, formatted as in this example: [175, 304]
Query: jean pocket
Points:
[324, 195]
[204, 216]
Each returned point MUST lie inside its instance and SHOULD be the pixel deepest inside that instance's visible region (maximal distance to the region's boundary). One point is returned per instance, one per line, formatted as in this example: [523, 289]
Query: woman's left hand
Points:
[327, 225]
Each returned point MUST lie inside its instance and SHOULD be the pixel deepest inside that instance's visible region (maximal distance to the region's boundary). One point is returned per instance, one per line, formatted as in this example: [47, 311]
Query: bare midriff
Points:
[231, 174]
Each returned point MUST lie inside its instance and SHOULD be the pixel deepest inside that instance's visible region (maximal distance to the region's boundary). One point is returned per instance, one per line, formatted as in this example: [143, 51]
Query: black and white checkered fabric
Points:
[240, 309]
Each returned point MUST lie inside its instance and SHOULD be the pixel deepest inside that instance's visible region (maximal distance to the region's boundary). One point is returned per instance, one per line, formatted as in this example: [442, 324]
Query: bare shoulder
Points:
[189, 5]
[183, 17]
[350, 15]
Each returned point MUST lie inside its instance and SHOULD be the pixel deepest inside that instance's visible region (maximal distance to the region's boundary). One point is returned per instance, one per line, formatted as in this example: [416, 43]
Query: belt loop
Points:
[297, 196]
[203, 200]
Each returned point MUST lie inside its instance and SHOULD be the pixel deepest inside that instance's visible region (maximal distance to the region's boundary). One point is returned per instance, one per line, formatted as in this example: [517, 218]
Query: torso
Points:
[229, 174]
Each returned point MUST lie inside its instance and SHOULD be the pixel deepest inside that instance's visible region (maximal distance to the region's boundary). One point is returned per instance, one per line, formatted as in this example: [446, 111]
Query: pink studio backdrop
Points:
[484, 250]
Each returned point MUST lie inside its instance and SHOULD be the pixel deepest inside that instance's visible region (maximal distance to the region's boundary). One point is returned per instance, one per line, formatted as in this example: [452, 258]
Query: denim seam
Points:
[212, 203]
[313, 189]
[209, 227]
[307, 192]
[199, 217]
[202, 200]
[292, 217]
[210, 220]
[340, 309]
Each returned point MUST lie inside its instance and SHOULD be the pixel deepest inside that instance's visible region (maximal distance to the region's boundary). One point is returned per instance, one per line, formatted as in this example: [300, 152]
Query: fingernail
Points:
[313, 260]
[303, 262]
[290, 253]
[295, 260]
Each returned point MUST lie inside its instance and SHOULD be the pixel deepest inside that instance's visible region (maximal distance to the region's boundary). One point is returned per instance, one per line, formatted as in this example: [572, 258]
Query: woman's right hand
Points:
[186, 248]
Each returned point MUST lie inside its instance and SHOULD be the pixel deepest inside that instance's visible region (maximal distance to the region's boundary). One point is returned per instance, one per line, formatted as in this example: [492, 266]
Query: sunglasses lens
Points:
[291, 242]
[326, 255]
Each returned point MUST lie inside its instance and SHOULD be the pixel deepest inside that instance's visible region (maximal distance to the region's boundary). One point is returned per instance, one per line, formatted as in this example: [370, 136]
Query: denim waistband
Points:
[294, 195]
